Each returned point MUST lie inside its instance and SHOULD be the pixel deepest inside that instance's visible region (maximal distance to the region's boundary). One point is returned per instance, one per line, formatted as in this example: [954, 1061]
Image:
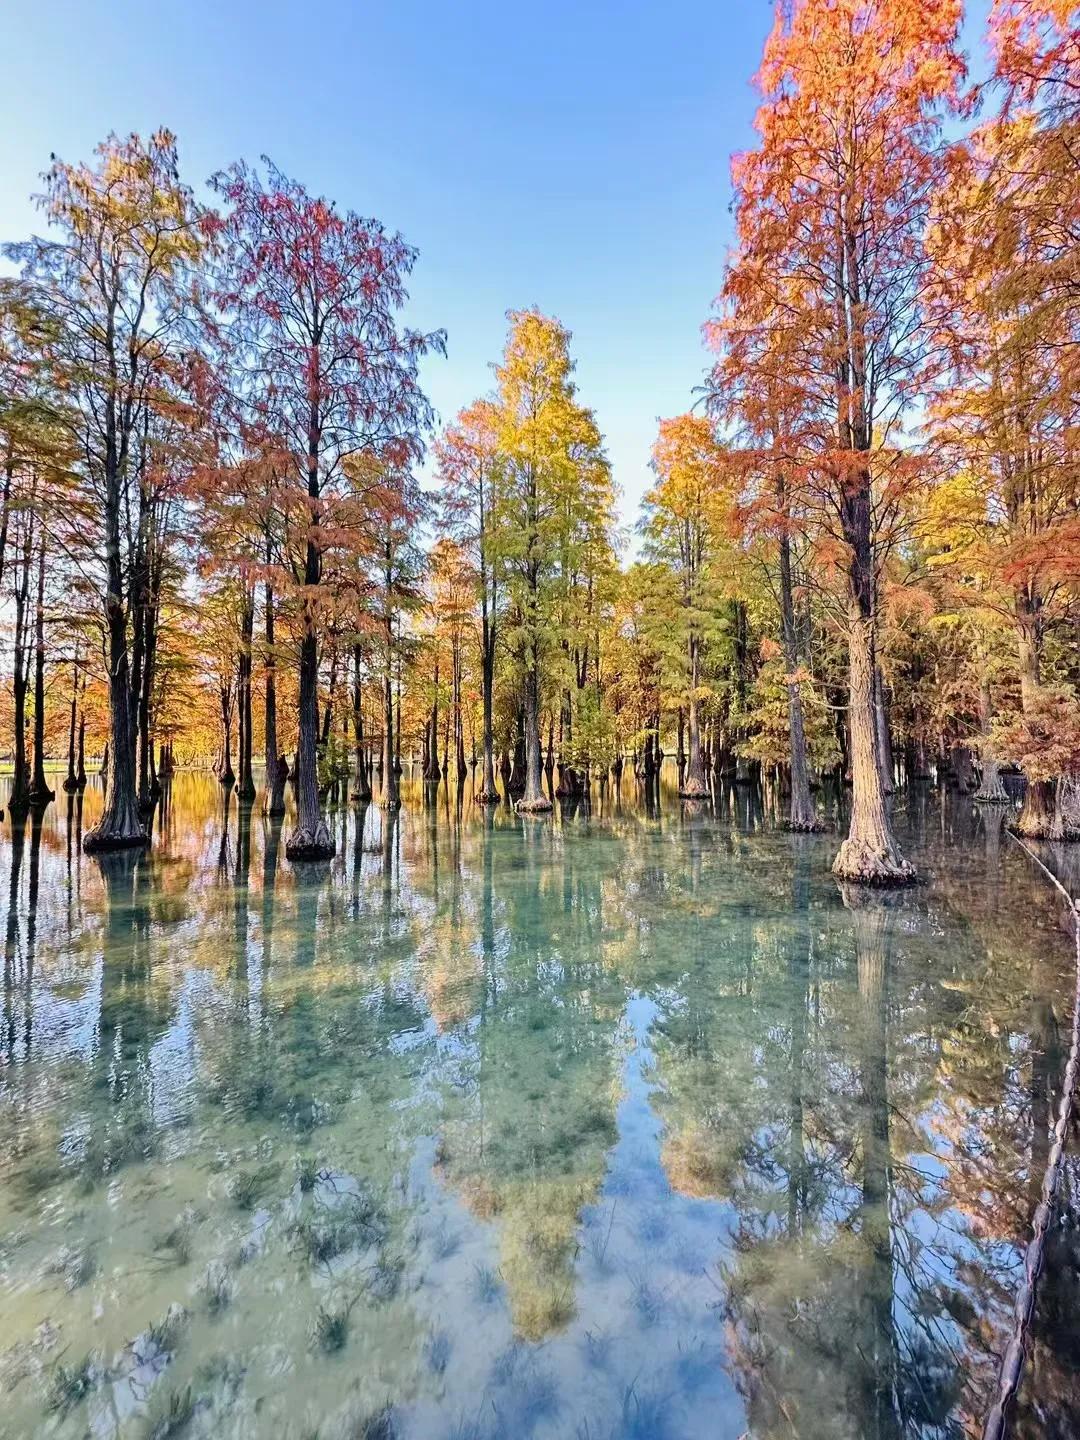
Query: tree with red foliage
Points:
[307, 301]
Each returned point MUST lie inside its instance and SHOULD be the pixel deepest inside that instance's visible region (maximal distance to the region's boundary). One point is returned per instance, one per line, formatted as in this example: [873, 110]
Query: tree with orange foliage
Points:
[825, 291]
[1006, 296]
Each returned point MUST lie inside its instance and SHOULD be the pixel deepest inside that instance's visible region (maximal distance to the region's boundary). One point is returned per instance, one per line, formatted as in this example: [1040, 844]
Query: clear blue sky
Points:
[568, 155]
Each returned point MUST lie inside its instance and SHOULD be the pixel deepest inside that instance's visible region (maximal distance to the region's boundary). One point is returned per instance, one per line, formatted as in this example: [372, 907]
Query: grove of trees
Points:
[858, 562]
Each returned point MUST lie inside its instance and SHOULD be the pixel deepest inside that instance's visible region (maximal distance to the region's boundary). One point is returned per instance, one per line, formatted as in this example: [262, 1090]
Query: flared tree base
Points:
[310, 843]
[539, 806]
[1039, 817]
[862, 863]
[71, 785]
[1056, 828]
[806, 827]
[1000, 798]
[487, 797]
[100, 841]
[694, 792]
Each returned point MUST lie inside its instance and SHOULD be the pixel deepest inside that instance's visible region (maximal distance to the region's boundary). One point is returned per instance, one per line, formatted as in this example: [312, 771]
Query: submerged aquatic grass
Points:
[70, 1384]
[601, 1103]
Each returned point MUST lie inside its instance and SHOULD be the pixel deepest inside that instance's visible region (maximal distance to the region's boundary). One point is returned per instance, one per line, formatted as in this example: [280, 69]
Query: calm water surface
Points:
[627, 1124]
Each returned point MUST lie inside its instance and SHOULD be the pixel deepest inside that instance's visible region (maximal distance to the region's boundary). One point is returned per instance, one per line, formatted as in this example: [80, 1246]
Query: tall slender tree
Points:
[307, 303]
[468, 455]
[832, 213]
[110, 286]
[686, 528]
[548, 445]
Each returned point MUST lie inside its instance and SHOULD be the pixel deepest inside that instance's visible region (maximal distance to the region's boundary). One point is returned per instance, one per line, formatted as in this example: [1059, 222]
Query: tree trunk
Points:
[145, 743]
[397, 718]
[226, 776]
[432, 773]
[459, 729]
[882, 732]
[277, 769]
[1038, 819]
[246, 782]
[361, 784]
[328, 709]
[71, 780]
[991, 790]
[870, 854]
[310, 839]
[801, 813]
[81, 775]
[391, 789]
[488, 794]
[277, 765]
[962, 768]
[120, 826]
[694, 785]
[19, 799]
[40, 793]
[534, 800]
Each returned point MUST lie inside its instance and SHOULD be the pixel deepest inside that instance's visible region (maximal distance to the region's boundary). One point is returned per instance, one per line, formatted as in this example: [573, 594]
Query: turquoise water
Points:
[621, 1124]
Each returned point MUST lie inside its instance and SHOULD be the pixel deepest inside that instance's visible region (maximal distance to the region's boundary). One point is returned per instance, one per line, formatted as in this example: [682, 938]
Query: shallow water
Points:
[627, 1124]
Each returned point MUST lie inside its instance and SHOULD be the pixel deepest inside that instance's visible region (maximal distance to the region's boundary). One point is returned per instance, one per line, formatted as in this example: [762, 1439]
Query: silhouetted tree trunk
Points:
[71, 780]
[459, 728]
[432, 773]
[246, 781]
[991, 790]
[801, 813]
[277, 769]
[19, 799]
[226, 774]
[487, 794]
[120, 826]
[694, 786]
[40, 793]
[391, 790]
[310, 839]
[81, 776]
[361, 784]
